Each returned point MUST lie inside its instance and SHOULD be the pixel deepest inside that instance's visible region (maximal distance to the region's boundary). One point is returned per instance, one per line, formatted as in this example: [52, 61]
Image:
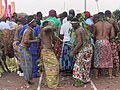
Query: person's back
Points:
[47, 35]
[103, 30]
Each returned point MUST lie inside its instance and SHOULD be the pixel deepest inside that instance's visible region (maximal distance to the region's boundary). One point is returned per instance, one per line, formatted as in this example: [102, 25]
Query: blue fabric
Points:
[66, 62]
[22, 30]
[33, 48]
[34, 65]
[26, 63]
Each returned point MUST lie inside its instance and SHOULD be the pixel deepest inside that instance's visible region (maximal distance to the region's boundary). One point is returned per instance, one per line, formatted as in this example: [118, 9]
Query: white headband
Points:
[31, 21]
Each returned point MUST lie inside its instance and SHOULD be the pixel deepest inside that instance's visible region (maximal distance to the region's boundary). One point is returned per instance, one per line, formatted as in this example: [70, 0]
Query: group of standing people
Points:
[70, 46]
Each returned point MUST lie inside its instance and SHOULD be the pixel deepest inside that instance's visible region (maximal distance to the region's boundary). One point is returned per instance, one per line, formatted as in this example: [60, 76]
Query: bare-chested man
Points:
[50, 62]
[25, 55]
[104, 32]
[113, 43]
[83, 52]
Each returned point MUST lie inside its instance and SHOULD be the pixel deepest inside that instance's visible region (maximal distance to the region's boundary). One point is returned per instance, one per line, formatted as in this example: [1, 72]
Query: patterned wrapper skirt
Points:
[103, 54]
[114, 47]
[66, 62]
[51, 67]
[57, 49]
[82, 64]
[26, 62]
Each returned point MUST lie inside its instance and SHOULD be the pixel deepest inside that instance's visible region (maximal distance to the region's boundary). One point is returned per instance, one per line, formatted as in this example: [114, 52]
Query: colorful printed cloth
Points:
[66, 62]
[26, 62]
[82, 64]
[103, 54]
[115, 56]
[57, 49]
[51, 67]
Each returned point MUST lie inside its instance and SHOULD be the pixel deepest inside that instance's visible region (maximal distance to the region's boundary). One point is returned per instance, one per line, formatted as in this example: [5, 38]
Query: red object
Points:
[9, 11]
[87, 14]
[6, 9]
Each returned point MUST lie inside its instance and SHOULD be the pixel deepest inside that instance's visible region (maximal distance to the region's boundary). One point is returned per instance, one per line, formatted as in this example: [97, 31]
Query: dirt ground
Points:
[11, 81]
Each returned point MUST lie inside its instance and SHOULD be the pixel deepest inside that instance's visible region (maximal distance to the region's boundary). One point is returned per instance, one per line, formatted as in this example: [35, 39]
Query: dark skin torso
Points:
[27, 37]
[47, 39]
[81, 38]
[104, 30]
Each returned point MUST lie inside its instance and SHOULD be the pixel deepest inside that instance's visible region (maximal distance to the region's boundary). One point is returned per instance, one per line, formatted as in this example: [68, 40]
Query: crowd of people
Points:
[66, 44]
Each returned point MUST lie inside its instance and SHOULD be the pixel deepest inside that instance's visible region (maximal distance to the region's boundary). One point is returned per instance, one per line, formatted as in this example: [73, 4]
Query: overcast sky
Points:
[32, 6]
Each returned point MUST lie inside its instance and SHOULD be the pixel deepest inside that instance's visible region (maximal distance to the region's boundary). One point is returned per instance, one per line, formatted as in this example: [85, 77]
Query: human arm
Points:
[27, 37]
[79, 36]
[112, 33]
[62, 32]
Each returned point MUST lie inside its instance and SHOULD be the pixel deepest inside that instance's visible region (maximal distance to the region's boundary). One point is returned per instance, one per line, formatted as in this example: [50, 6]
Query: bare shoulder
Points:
[96, 24]
[28, 30]
[79, 31]
[109, 24]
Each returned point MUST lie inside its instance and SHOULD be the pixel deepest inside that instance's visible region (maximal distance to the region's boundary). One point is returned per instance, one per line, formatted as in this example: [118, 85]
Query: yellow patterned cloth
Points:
[51, 67]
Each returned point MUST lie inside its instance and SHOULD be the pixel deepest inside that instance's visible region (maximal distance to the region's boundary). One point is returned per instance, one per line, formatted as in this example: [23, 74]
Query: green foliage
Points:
[116, 15]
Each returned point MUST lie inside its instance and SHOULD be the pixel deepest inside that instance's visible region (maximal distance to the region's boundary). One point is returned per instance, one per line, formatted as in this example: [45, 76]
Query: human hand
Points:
[71, 54]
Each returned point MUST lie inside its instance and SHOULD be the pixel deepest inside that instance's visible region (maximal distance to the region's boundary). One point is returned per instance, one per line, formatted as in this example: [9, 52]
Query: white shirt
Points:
[4, 25]
[11, 24]
[64, 20]
[89, 21]
[65, 31]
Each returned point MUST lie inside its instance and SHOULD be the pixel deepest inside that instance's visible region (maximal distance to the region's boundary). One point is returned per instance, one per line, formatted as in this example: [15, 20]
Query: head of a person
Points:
[48, 29]
[31, 21]
[64, 14]
[75, 23]
[78, 15]
[14, 15]
[108, 13]
[52, 13]
[95, 18]
[39, 15]
[46, 23]
[72, 12]
[101, 15]
[69, 17]
[23, 21]
[87, 14]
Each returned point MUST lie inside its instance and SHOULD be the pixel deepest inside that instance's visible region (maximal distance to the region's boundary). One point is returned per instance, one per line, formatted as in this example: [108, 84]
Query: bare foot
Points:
[111, 77]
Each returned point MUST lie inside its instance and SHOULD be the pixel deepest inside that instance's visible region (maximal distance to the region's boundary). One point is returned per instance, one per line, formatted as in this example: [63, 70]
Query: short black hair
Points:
[39, 13]
[64, 14]
[71, 11]
[45, 23]
[101, 15]
[30, 18]
[108, 12]
[70, 17]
